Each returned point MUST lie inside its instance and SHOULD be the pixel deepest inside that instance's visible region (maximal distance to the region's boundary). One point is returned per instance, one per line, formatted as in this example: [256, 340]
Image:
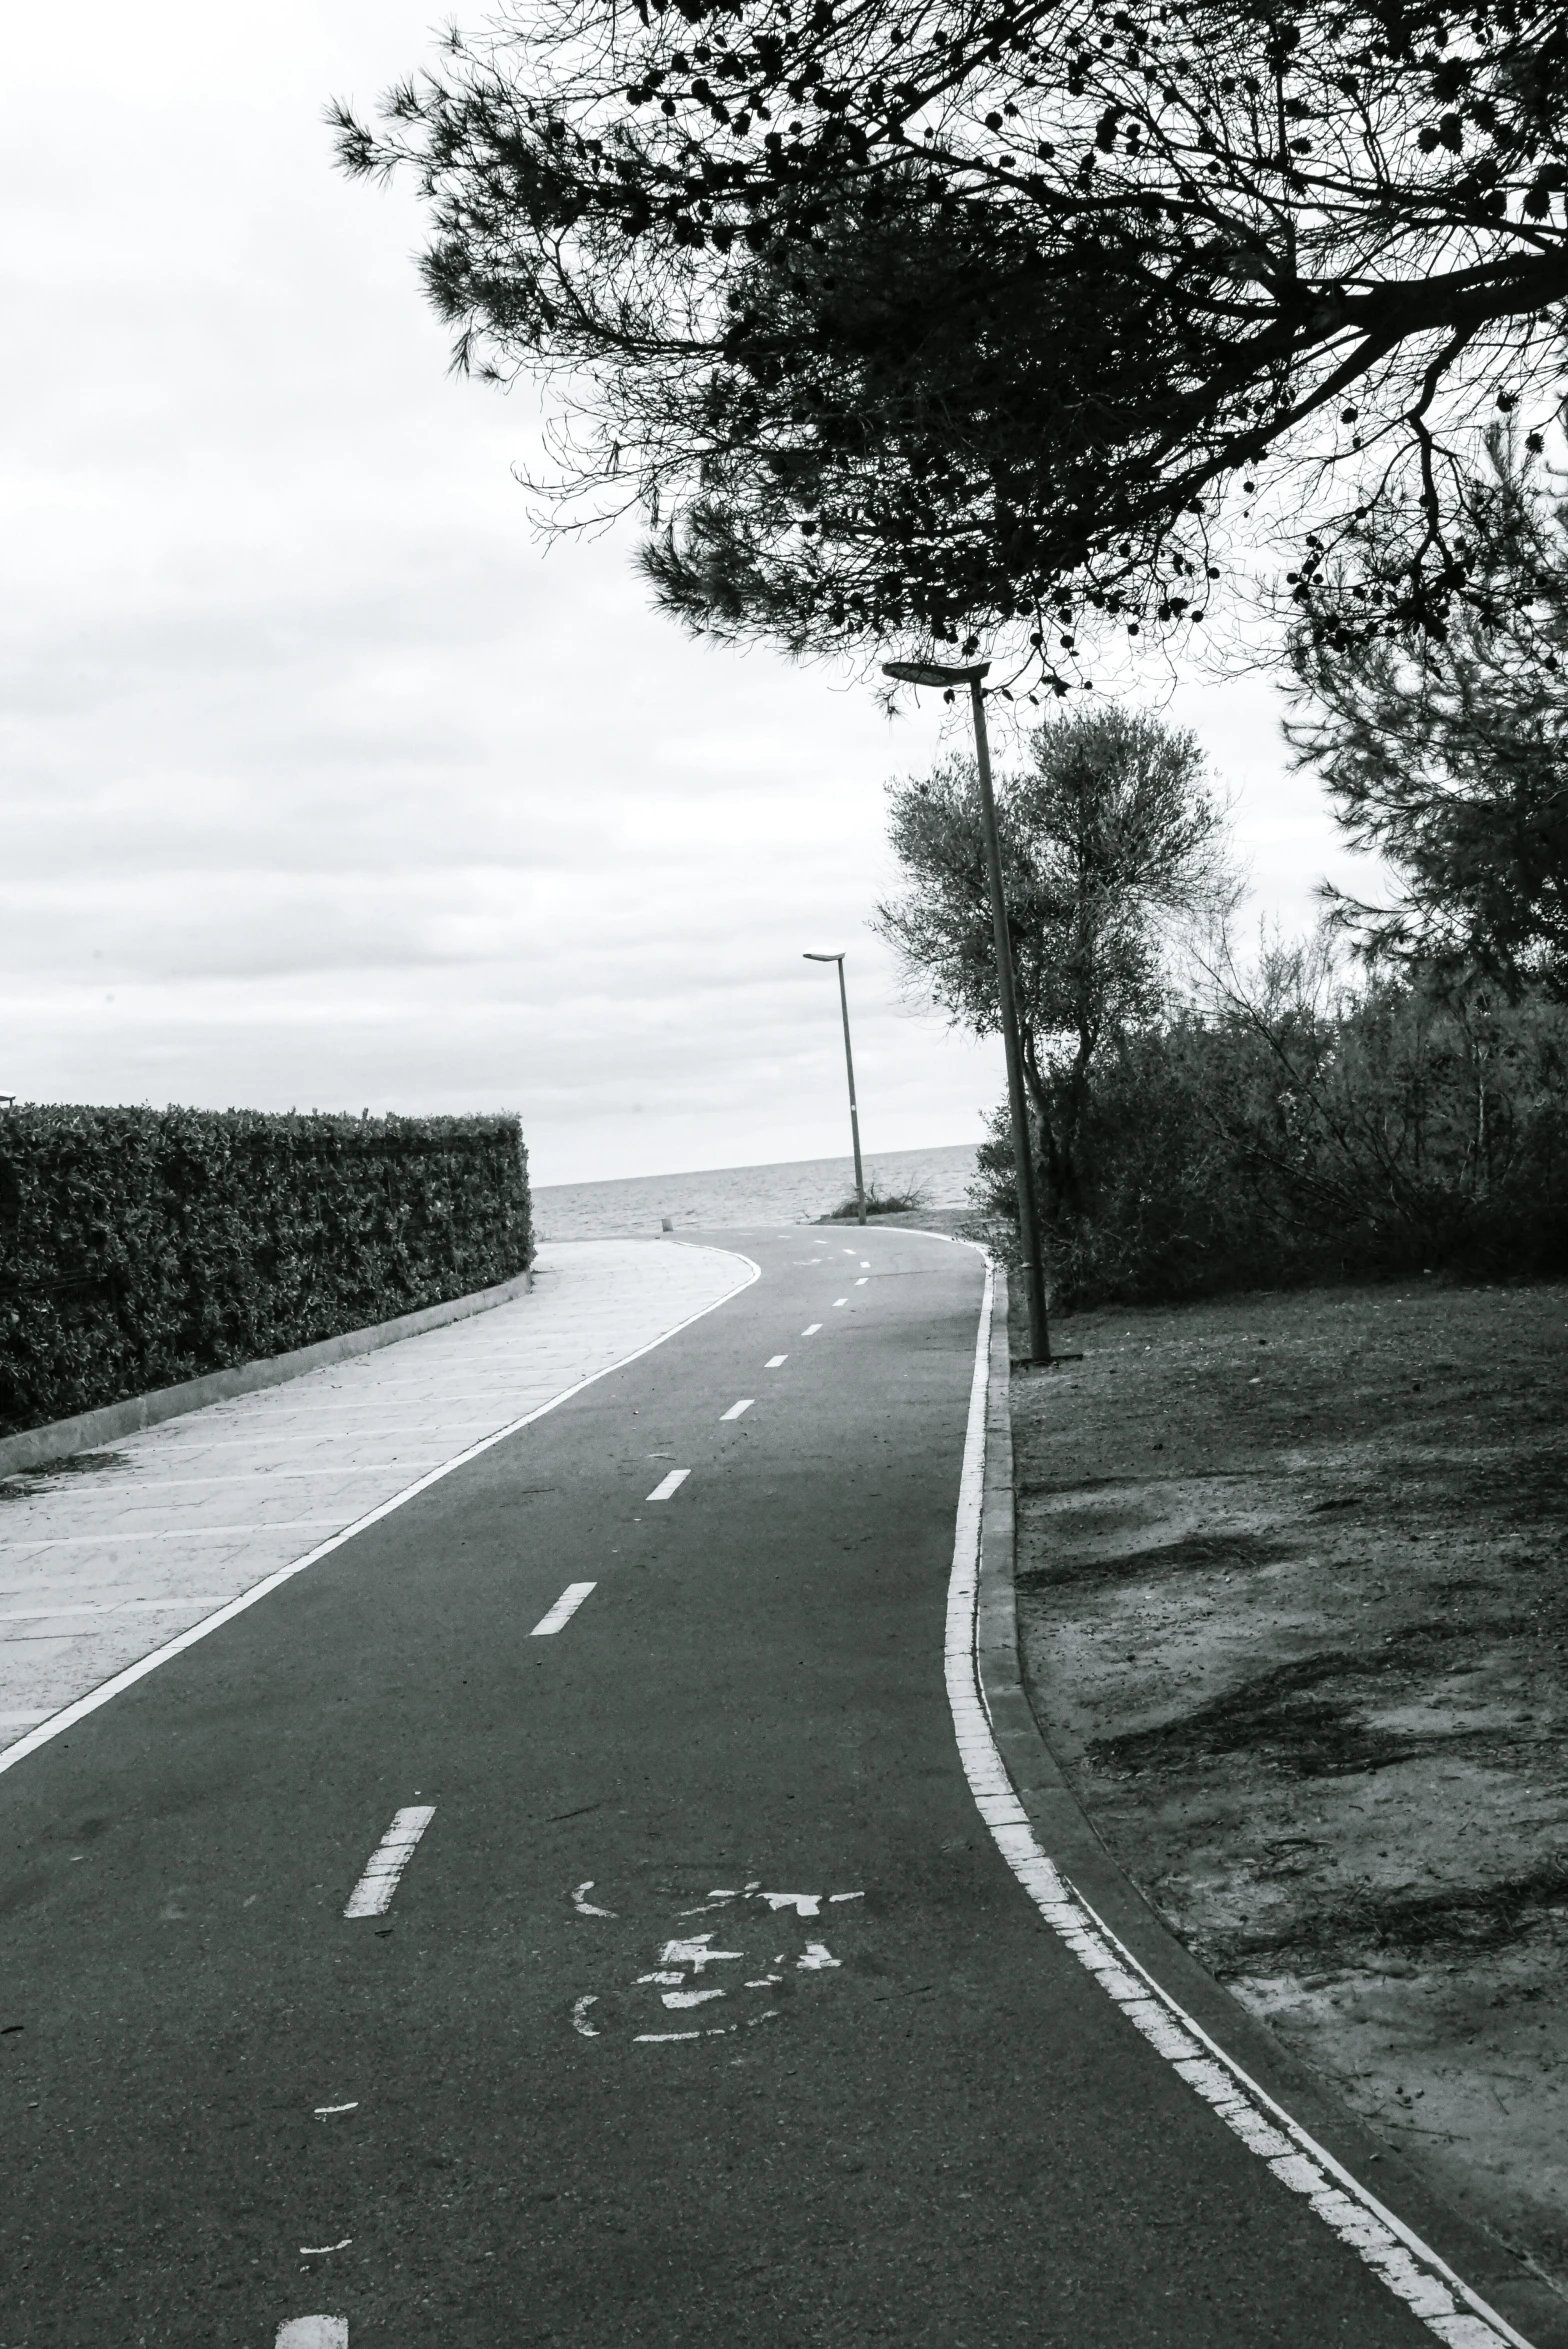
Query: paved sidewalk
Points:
[118, 1551]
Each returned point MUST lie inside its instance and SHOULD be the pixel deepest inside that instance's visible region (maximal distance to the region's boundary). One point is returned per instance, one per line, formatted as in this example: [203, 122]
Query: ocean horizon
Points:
[726, 1198]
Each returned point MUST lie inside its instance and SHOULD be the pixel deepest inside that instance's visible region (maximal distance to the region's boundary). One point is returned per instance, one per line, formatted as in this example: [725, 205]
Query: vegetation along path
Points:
[1292, 1607]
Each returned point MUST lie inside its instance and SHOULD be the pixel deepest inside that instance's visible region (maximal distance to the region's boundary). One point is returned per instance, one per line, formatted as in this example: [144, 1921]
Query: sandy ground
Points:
[1293, 1591]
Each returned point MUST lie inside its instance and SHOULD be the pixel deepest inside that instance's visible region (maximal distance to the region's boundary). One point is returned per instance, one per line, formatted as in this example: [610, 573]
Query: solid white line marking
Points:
[812, 1330]
[669, 1484]
[736, 1410]
[313, 2332]
[1408, 2266]
[564, 1609]
[841, 1300]
[775, 1362]
[118, 1682]
[372, 1895]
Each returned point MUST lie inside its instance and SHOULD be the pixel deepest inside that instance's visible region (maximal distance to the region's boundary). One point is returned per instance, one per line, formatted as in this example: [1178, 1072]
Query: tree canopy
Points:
[1450, 760]
[1111, 841]
[915, 320]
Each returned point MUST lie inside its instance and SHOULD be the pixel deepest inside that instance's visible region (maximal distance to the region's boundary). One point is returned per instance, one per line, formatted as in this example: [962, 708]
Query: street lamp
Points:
[849, 1065]
[935, 673]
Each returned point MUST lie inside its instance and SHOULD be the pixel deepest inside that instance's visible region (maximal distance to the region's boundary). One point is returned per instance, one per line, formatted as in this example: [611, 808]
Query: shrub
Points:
[141, 1247]
[904, 1195]
[1406, 1129]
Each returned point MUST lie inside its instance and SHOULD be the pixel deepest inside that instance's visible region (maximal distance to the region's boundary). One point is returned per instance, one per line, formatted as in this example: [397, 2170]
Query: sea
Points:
[728, 1198]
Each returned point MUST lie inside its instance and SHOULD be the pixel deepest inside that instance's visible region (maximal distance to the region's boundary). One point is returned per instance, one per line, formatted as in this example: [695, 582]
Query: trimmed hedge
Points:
[140, 1247]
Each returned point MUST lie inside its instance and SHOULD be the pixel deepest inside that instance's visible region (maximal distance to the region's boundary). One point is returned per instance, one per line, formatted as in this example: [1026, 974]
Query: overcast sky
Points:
[324, 784]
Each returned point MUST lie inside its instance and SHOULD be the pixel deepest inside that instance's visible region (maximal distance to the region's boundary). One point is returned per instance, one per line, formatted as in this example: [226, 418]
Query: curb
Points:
[1065, 1832]
[34, 1447]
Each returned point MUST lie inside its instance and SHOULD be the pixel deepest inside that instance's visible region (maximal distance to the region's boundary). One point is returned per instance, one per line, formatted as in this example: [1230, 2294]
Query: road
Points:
[703, 2009]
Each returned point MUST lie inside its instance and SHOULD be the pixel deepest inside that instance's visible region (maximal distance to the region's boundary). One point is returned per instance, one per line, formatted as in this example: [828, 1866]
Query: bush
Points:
[1407, 1129]
[903, 1196]
[141, 1247]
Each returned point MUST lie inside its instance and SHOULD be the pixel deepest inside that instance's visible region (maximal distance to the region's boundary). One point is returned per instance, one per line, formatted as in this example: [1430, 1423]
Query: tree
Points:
[1450, 759]
[1110, 842]
[923, 319]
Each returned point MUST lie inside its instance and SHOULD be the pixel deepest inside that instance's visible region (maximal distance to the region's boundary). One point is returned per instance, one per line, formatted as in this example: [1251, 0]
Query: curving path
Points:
[560, 1914]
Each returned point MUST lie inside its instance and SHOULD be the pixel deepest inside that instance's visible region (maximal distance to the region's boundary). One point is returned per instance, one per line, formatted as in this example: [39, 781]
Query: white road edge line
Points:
[69, 1715]
[372, 1895]
[737, 1410]
[669, 1484]
[564, 1609]
[1410, 2268]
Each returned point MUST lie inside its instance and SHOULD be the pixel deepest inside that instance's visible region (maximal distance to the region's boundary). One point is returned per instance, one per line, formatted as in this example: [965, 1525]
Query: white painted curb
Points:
[1410, 2268]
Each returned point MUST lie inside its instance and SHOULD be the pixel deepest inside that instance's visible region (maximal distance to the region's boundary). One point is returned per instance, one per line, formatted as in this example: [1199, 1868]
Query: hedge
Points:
[140, 1247]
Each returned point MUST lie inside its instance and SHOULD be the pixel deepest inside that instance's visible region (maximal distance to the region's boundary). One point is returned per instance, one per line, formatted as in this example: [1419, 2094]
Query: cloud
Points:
[325, 784]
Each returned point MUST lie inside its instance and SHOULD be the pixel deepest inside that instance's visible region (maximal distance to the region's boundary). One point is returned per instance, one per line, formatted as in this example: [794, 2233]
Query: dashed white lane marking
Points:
[1408, 2266]
[313, 2332]
[811, 1330]
[849, 1251]
[669, 1484]
[564, 1609]
[860, 1284]
[841, 1300]
[372, 1895]
[738, 1410]
[775, 1362]
[325, 2111]
[55, 1724]
[316, 2250]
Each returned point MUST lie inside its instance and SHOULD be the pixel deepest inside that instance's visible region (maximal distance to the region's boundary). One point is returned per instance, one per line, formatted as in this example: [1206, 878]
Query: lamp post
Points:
[849, 1066]
[1029, 1247]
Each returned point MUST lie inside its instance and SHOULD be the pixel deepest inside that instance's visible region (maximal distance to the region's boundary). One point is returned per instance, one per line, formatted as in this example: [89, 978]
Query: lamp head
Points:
[822, 958]
[933, 673]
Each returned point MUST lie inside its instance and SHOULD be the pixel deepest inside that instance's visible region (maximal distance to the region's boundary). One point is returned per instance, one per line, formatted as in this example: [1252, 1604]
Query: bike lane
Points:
[702, 2008]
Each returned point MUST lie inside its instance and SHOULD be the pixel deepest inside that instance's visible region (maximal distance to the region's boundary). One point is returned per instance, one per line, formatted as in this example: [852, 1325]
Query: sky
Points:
[324, 783]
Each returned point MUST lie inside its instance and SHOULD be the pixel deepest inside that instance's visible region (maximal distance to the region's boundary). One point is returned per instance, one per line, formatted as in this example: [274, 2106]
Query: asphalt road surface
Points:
[691, 2002]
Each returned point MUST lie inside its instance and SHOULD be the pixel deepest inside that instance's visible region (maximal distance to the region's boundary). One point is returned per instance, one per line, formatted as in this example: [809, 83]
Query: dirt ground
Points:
[1293, 1593]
